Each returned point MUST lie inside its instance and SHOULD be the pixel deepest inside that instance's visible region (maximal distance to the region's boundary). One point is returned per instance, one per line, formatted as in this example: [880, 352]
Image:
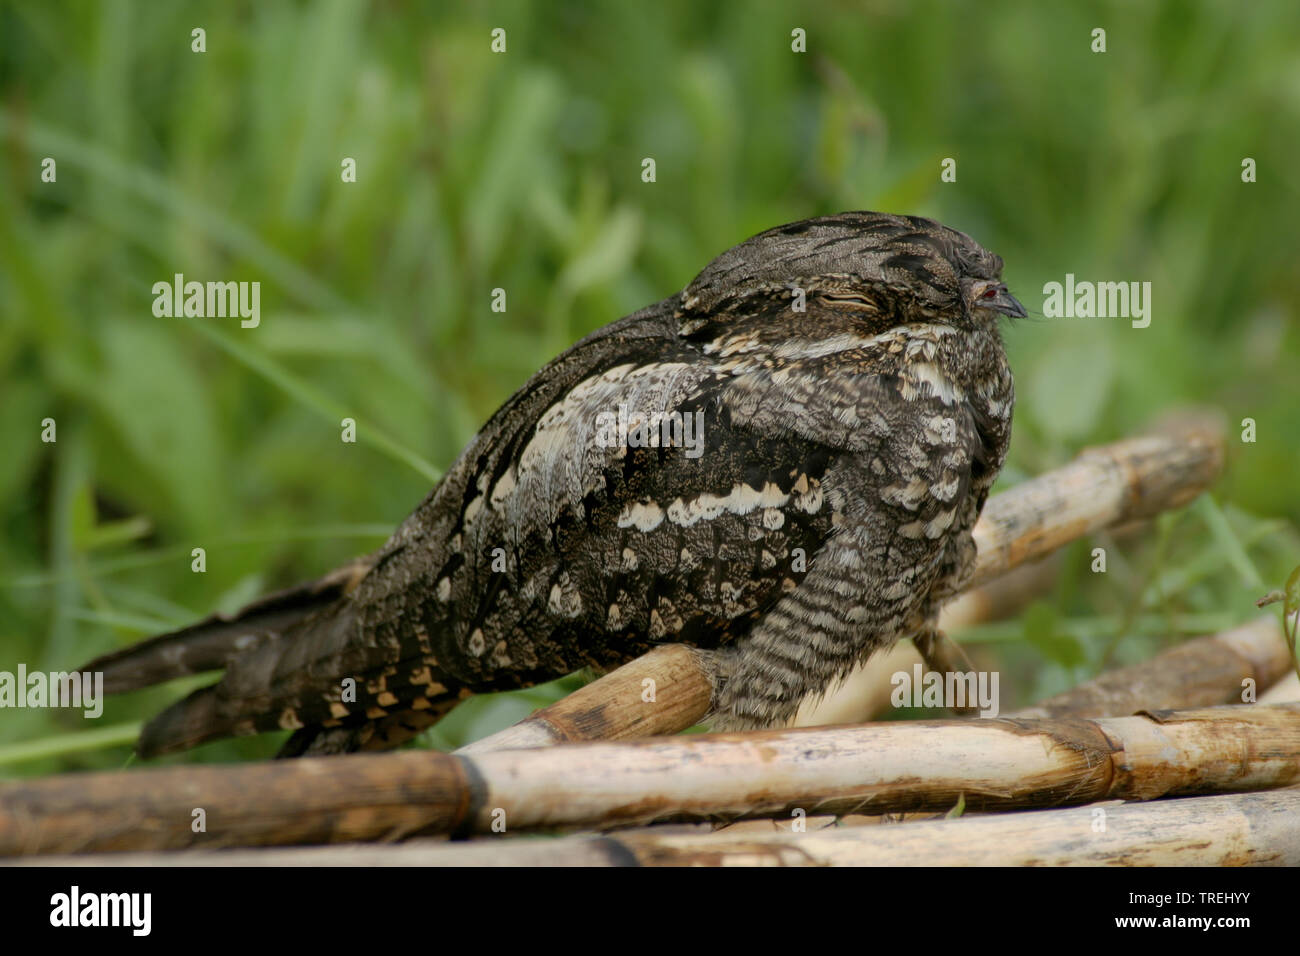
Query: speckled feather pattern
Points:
[847, 450]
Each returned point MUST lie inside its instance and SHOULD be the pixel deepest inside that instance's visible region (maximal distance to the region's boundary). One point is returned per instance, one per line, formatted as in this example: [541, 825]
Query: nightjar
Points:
[780, 465]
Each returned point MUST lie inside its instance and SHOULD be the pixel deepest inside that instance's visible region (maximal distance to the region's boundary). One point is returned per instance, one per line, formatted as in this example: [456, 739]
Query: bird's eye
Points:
[990, 293]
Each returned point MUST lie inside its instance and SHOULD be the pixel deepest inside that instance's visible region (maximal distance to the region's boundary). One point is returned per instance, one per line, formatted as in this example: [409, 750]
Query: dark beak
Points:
[1006, 303]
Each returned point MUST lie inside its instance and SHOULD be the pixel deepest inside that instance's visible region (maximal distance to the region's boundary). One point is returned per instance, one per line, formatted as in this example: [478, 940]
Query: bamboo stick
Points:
[890, 767]
[1216, 669]
[618, 705]
[1104, 486]
[1202, 672]
[1248, 829]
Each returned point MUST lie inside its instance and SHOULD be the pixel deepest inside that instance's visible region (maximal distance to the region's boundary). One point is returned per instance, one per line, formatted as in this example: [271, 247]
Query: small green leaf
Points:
[1272, 597]
[1293, 592]
[115, 735]
[1233, 550]
[1290, 618]
[110, 533]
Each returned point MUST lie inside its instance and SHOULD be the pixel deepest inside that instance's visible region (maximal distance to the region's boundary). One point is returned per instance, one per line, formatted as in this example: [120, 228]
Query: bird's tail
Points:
[211, 643]
[254, 644]
[382, 734]
[200, 717]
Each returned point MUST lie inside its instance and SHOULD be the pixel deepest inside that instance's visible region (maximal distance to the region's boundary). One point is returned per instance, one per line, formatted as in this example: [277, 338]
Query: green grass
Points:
[522, 171]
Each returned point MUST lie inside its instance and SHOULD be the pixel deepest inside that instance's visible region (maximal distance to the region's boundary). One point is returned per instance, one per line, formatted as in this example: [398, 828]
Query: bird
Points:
[779, 466]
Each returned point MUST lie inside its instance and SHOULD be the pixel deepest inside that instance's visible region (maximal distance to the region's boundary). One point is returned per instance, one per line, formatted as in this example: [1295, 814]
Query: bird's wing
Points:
[550, 547]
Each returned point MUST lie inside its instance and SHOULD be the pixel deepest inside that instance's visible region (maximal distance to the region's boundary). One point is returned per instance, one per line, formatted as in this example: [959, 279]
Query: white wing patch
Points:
[644, 516]
[941, 387]
[563, 461]
[806, 495]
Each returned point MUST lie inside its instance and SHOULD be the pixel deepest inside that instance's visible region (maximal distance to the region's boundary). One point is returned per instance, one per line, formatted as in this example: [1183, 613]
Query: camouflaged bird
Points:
[855, 401]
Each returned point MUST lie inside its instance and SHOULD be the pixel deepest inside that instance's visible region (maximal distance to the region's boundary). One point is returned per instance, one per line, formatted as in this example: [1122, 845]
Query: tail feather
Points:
[211, 643]
[186, 723]
[382, 734]
[274, 653]
[208, 714]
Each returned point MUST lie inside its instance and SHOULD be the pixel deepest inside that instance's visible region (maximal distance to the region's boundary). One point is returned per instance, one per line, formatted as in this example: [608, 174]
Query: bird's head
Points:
[871, 270]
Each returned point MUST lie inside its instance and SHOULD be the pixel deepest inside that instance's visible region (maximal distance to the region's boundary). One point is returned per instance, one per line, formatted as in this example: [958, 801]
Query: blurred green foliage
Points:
[521, 171]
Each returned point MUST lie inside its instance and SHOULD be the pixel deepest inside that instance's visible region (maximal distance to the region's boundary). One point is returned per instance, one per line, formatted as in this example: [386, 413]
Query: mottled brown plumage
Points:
[856, 402]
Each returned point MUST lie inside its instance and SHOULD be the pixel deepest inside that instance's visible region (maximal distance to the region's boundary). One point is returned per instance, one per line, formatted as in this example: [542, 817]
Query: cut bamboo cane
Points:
[1110, 485]
[1104, 486]
[619, 706]
[1247, 829]
[1216, 669]
[890, 767]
